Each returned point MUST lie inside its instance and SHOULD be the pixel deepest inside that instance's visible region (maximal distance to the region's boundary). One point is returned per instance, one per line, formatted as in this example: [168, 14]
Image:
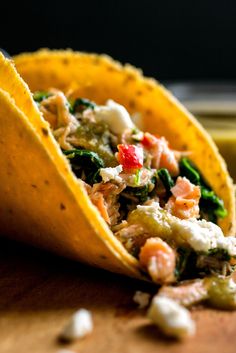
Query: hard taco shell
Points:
[43, 203]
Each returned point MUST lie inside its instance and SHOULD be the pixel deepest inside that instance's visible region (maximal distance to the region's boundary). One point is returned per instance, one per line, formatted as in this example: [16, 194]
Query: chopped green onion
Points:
[81, 104]
[137, 177]
[39, 96]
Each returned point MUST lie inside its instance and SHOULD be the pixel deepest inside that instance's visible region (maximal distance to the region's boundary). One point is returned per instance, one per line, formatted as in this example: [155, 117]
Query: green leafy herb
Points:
[187, 170]
[85, 163]
[135, 131]
[137, 135]
[137, 177]
[214, 261]
[182, 259]
[211, 205]
[210, 202]
[166, 179]
[191, 264]
[80, 104]
[39, 96]
[140, 193]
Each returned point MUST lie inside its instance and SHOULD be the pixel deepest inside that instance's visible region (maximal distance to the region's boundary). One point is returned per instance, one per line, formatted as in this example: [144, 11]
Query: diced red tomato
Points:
[148, 140]
[130, 156]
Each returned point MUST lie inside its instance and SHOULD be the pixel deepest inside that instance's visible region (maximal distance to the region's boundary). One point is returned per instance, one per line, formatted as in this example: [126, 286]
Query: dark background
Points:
[169, 39]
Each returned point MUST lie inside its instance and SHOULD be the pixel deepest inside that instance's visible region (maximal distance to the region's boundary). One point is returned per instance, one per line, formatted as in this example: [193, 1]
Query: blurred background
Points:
[169, 39]
[188, 45]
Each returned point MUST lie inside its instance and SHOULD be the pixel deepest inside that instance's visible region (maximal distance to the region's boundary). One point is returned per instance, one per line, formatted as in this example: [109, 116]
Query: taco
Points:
[103, 165]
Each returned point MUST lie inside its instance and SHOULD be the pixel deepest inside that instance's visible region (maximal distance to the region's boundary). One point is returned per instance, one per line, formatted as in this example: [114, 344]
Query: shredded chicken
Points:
[56, 111]
[105, 197]
[162, 155]
[132, 237]
[188, 293]
[214, 265]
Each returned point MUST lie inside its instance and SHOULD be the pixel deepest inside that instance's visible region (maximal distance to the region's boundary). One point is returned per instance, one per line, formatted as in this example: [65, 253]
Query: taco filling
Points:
[153, 197]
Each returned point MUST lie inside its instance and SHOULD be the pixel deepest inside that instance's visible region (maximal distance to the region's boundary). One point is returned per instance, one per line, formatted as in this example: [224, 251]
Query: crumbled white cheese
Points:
[115, 115]
[173, 319]
[232, 285]
[80, 325]
[141, 298]
[108, 174]
[199, 234]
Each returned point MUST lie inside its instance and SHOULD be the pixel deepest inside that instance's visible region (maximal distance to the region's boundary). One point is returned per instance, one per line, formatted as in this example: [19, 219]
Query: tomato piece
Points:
[149, 140]
[130, 156]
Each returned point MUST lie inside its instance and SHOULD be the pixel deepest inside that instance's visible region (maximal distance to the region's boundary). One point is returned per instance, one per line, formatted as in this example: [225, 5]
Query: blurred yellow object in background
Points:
[223, 131]
[214, 105]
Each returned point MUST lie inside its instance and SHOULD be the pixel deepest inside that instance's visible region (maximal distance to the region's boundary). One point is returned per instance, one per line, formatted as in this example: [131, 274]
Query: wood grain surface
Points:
[39, 292]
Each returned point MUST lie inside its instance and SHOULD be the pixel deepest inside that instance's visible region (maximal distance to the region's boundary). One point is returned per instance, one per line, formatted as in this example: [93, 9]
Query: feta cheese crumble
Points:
[141, 298]
[108, 174]
[172, 319]
[79, 326]
[199, 234]
[115, 115]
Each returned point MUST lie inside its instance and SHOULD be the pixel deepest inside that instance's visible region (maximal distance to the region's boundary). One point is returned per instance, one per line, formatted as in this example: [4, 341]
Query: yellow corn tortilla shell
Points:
[42, 202]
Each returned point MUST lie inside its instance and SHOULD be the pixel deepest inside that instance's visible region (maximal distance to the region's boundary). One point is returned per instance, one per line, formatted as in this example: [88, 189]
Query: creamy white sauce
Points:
[172, 319]
[115, 115]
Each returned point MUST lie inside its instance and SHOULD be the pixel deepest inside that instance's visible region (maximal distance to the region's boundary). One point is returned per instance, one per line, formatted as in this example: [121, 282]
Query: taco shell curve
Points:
[46, 206]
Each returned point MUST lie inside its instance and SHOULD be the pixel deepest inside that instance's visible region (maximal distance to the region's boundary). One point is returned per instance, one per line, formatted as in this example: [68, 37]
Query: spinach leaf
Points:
[141, 193]
[80, 104]
[187, 170]
[85, 163]
[220, 254]
[181, 261]
[209, 201]
[39, 96]
[166, 179]
[210, 204]
[185, 263]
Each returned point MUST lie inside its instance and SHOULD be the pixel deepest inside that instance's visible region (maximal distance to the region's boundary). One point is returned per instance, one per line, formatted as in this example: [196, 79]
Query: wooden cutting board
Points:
[39, 292]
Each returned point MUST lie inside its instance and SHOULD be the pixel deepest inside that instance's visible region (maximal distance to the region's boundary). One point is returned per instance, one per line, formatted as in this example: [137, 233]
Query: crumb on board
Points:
[142, 299]
[79, 326]
[171, 318]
